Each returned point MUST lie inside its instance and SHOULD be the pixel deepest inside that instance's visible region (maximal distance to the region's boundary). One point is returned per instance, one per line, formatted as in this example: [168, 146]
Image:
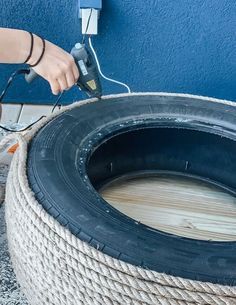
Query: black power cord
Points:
[12, 77]
[14, 74]
[23, 129]
[57, 101]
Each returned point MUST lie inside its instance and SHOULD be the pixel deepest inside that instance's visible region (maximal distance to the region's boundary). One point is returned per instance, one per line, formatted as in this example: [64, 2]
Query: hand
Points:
[57, 66]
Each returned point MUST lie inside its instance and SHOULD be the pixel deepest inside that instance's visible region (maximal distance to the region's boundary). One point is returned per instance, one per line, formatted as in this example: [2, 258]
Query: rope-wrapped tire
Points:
[69, 246]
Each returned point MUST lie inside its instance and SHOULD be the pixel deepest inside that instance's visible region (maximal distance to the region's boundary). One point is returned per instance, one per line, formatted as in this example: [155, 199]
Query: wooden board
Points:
[31, 113]
[176, 205]
[10, 113]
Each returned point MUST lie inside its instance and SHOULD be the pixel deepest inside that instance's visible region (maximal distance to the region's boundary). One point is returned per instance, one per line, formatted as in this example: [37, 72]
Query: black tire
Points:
[83, 149]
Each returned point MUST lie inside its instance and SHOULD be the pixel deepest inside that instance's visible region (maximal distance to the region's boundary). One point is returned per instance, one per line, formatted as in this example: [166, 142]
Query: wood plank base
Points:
[177, 205]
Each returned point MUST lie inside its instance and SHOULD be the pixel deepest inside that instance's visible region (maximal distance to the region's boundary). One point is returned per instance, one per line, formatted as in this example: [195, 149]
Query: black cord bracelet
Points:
[31, 47]
[41, 56]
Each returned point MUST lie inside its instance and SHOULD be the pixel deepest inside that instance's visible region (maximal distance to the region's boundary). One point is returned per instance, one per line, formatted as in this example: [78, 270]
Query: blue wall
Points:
[154, 45]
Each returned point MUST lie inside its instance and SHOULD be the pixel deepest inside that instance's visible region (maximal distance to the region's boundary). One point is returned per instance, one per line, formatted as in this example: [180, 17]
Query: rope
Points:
[55, 267]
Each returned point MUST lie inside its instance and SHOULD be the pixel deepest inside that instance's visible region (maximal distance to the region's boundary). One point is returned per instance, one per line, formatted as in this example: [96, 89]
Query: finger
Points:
[55, 86]
[74, 68]
[70, 79]
[75, 72]
[62, 82]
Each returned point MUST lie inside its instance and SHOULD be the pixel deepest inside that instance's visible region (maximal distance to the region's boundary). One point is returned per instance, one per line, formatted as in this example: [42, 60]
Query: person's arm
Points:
[57, 66]
[14, 46]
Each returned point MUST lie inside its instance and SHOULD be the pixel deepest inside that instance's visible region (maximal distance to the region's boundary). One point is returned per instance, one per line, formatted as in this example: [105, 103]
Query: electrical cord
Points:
[96, 58]
[23, 129]
[13, 75]
[9, 82]
[57, 101]
[99, 68]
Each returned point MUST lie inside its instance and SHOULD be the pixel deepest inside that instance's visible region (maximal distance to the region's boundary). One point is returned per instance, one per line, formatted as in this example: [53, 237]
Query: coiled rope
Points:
[54, 267]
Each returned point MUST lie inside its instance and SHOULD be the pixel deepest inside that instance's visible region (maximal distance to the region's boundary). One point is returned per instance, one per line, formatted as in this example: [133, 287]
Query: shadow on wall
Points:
[156, 45]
